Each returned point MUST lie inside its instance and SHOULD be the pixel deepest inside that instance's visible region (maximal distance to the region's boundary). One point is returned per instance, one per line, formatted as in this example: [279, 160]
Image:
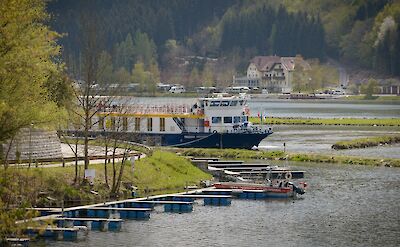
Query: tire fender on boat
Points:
[288, 175]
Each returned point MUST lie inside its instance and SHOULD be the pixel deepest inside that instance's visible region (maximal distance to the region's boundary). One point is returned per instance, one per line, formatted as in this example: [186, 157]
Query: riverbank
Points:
[366, 142]
[280, 155]
[159, 173]
[328, 121]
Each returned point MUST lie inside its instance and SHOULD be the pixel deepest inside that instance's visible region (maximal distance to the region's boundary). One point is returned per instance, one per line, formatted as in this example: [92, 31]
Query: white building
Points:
[273, 73]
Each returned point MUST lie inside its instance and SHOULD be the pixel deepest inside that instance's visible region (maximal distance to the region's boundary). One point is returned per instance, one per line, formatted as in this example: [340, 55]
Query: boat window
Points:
[113, 123]
[101, 123]
[244, 118]
[124, 124]
[137, 124]
[234, 103]
[236, 119]
[162, 124]
[241, 102]
[227, 119]
[225, 103]
[216, 119]
[149, 124]
[215, 103]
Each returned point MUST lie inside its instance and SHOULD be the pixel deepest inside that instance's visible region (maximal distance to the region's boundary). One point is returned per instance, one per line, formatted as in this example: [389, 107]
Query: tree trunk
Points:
[105, 163]
[76, 163]
[121, 172]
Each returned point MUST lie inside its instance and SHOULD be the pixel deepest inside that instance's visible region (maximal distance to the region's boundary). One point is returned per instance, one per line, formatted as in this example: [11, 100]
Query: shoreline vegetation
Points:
[328, 121]
[366, 142]
[280, 155]
[159, 173]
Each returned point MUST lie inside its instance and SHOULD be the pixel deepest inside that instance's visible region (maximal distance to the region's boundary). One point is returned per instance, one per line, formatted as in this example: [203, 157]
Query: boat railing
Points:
[249, 129]
[153, 109]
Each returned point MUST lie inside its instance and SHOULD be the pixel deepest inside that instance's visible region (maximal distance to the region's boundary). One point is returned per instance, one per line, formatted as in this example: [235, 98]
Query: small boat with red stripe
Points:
[276, 188]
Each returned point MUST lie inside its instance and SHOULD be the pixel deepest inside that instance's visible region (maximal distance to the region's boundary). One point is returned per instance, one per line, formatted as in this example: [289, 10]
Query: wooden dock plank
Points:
[166, 202]
[90, 219]
[120, 209]
[201, 196]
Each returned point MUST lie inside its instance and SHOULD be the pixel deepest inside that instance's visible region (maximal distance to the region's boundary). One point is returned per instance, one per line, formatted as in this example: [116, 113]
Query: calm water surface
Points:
[325, 109]
[319, 139]
[297, 108]
[345, 206]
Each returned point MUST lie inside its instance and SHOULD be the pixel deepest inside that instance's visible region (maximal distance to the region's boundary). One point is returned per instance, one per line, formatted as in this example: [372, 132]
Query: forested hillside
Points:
[173, 38]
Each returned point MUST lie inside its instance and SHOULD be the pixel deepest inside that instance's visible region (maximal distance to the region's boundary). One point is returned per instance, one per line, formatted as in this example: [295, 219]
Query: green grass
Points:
[375, 98]
[366, 142]
[167, 171]
[330, 121]
[279, 155]
[160, 173]
[232, 153]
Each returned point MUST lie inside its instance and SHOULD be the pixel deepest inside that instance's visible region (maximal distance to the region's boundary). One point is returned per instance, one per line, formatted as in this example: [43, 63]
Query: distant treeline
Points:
[363, 33]
[272, 31]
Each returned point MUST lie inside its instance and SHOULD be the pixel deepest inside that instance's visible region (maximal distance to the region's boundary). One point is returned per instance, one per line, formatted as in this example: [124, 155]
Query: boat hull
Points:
[268, 191]
[186, 140]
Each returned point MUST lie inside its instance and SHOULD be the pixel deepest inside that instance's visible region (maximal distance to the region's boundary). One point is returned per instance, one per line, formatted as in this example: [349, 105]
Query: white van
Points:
[177, 89]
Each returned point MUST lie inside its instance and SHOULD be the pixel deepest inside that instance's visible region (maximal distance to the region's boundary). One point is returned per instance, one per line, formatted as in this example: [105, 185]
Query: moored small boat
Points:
[271, 189]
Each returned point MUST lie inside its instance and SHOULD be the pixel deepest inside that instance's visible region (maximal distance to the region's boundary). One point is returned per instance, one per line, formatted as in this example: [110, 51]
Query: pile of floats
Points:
[69, 224]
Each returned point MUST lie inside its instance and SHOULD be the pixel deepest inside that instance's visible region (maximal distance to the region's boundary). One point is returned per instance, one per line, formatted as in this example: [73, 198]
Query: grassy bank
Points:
[374, 98]
[279, 155]
[162, 172]
[366, 142]
[330, 121]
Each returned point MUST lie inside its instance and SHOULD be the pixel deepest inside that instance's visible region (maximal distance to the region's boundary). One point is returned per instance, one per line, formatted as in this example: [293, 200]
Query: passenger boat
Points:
[217, 121]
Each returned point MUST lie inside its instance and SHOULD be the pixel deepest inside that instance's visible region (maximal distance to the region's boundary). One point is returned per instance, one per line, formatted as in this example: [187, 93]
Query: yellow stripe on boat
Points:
[149, 115]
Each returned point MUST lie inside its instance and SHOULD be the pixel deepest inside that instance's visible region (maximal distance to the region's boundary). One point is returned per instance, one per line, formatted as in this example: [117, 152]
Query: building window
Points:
[162, 124]
[216, 120]
[137, 124]
[227, 119]
[149, 124]
[124, 124]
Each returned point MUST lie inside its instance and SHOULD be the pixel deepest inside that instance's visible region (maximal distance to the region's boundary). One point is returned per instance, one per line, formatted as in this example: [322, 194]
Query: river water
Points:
[344, 206]
[319, 139]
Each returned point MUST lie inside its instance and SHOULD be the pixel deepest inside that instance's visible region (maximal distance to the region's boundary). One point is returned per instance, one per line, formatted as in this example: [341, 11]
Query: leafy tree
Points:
[369, 89]
[139, 76]
[122, 76]
[194, 78]
[30, 74]
[30, 86]
[105, 68]
[125, 53]
[207, 76]
[144, 49]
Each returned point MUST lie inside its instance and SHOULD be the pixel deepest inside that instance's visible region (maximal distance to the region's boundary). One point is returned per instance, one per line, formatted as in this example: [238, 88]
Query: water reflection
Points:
[345, 206]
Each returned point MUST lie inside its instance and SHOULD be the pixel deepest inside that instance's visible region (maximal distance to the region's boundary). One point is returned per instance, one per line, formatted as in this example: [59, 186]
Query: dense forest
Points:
[204, 40]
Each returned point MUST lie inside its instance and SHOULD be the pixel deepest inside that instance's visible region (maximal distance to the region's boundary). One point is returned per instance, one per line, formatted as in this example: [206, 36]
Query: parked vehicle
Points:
[177, 89]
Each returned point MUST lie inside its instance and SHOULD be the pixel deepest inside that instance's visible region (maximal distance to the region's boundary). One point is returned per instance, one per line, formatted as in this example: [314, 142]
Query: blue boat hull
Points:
[190, 140]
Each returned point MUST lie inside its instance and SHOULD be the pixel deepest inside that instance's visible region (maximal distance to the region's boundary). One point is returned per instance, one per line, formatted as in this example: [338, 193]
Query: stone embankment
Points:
[33, 144]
